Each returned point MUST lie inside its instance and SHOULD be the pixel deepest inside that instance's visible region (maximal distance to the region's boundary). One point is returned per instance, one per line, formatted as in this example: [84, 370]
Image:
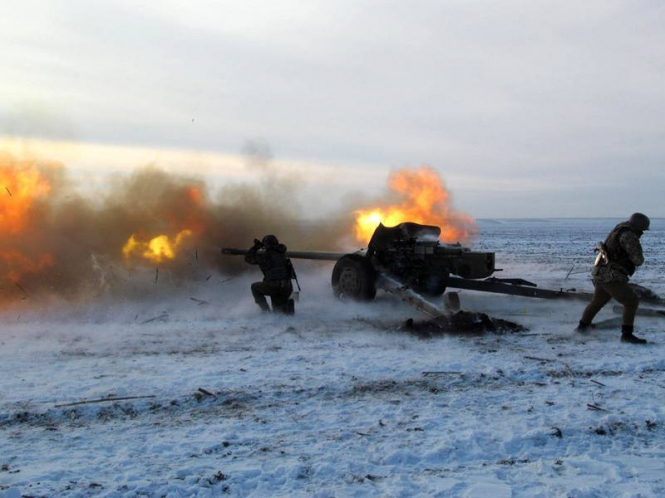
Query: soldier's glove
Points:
[258, 243]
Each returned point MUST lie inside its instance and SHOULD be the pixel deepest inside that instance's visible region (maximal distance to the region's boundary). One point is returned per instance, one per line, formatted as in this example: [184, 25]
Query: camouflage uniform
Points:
[611, 280]
[277, 273]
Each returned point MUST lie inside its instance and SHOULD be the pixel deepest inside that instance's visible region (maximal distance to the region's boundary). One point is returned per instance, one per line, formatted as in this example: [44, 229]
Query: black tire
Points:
[353, 277]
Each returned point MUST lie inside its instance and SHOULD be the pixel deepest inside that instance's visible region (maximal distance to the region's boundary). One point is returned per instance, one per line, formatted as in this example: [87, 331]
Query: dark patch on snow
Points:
[218, 477]
[463, 323]
[513, 461]
[621, 427]
[390, 386]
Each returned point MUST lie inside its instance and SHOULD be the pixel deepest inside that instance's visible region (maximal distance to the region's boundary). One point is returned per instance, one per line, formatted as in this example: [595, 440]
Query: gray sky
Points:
[527, 108]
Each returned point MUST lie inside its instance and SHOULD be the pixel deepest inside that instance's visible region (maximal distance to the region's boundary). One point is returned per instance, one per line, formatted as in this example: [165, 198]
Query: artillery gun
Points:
[411, 254]
[409, 262]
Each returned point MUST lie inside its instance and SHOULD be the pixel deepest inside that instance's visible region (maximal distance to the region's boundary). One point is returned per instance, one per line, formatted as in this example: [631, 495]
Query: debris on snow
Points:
[462, 322]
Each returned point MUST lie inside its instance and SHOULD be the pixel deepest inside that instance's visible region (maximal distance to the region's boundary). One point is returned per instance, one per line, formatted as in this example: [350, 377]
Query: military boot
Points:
[290, 307]
[264, 306]
[584, 327]
[627, 335]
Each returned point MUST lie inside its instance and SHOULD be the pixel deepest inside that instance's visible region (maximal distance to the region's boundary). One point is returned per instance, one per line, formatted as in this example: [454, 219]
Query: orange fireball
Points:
[21, 184]
[156, 250]
[424, 199]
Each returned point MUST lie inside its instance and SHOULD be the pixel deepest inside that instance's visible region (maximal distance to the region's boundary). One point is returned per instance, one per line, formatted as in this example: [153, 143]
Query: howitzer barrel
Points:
[234, 252]
[313, 255]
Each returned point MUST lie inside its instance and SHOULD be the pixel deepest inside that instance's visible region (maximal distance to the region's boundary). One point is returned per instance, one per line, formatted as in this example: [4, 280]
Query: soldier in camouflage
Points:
[610, 277]
[277, 274]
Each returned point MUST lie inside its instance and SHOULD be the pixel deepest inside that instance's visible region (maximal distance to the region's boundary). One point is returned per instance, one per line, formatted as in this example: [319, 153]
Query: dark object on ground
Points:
[164, 317]
[632, 339]
[627, 336]
[462, 322]
[584, 327]
[536, 358]
[103, 400]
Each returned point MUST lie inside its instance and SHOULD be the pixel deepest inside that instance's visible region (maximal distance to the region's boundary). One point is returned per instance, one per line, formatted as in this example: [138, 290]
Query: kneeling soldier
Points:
[277, 274]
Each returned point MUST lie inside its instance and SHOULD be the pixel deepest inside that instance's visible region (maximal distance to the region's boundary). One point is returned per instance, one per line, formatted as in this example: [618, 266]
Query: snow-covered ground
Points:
[337, 401]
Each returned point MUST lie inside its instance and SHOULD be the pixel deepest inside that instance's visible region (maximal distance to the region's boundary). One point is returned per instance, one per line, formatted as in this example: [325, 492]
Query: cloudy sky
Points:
[527, 108]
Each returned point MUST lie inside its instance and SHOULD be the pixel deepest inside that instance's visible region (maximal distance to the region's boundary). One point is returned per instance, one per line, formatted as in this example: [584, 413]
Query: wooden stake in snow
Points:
[546, 360]
[200, 302]
[163, 316]
[425, 374]
[102, 400]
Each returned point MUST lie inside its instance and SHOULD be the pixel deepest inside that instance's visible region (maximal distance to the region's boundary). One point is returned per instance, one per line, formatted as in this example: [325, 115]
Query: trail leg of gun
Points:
[397, 289]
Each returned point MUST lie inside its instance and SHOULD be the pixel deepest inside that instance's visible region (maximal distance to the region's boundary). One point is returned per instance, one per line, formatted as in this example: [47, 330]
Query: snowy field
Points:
[337, 401]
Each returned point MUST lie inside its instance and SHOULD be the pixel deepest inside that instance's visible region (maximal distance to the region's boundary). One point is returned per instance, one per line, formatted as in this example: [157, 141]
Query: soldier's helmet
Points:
[639, 221]
[270, 241]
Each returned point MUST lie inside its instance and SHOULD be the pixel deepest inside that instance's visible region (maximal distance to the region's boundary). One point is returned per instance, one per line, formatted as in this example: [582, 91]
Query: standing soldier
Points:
[619, 256]
[277, 274]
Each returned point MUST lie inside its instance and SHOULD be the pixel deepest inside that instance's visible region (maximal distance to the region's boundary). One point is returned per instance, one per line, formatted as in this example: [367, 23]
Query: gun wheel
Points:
[353, 277]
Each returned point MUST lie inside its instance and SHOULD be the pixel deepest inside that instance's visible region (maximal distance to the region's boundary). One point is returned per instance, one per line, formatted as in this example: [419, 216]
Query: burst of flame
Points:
[156, 250]
[21, 185]
[19, 264]
[425, 200]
